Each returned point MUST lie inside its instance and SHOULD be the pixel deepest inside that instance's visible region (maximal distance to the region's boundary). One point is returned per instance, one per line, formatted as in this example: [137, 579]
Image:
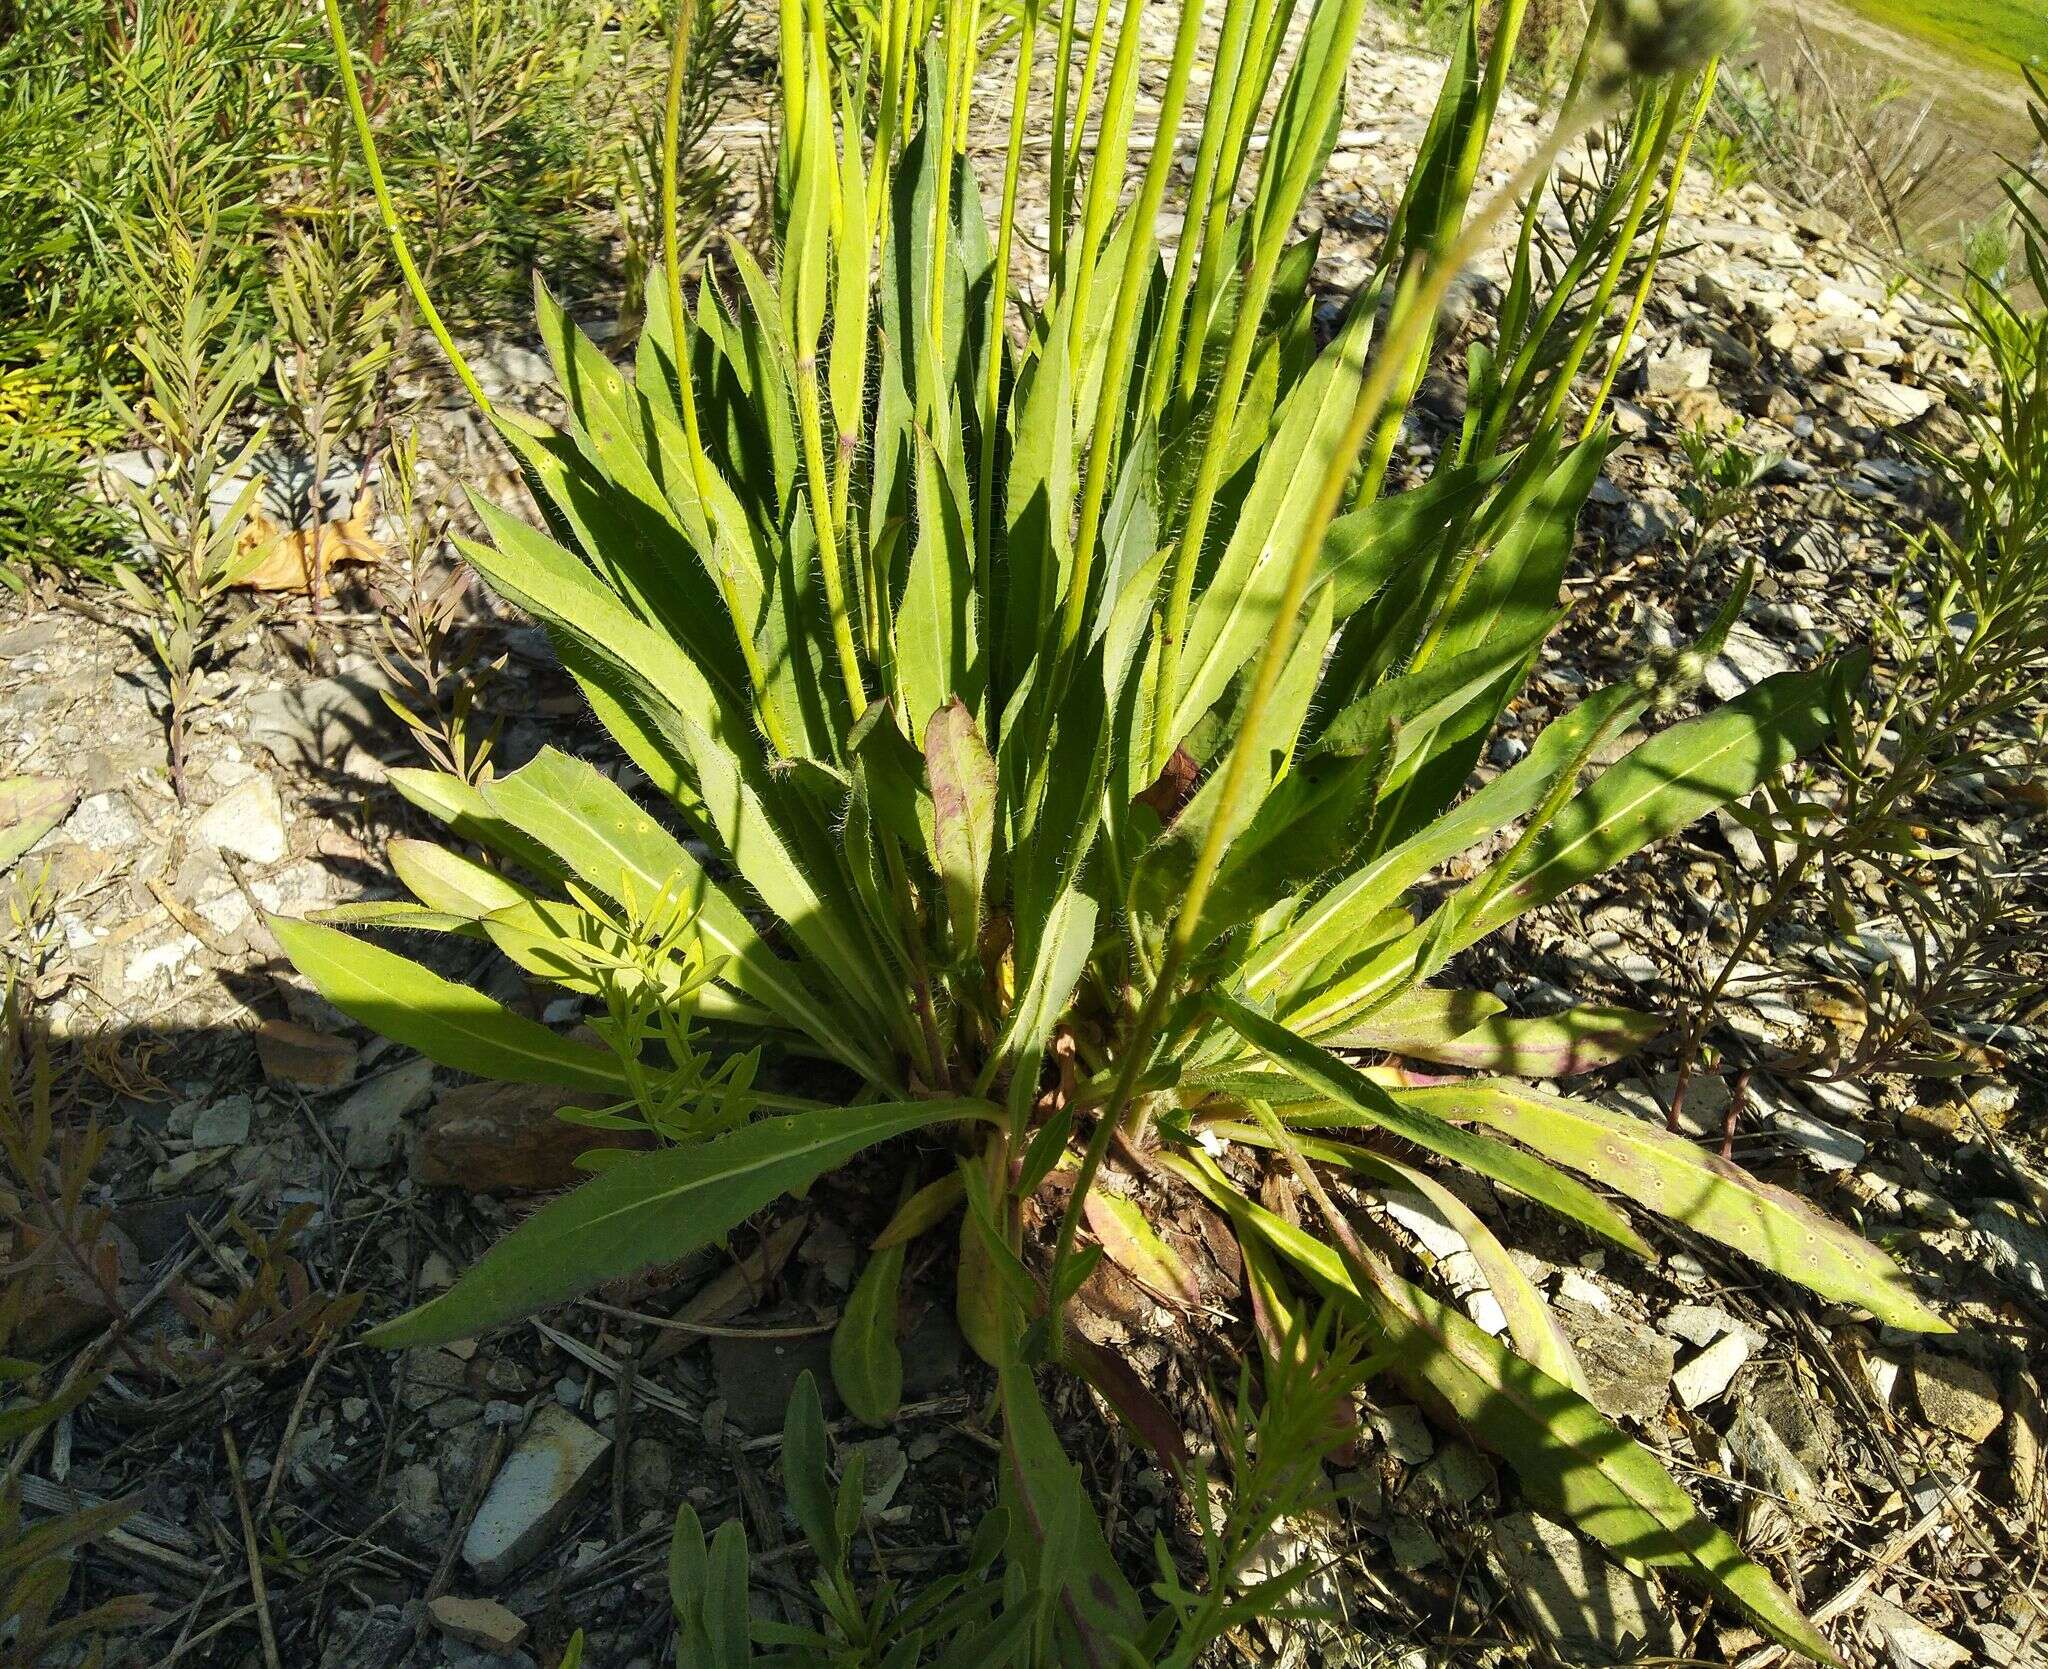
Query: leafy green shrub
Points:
[510, 120]
[1070, 754]
[1884, 830]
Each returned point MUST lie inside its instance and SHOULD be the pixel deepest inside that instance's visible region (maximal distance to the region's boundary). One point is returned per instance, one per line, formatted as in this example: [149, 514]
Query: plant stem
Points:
[1273, 215]
[999, 304]
[1642, 295]
[387, 211]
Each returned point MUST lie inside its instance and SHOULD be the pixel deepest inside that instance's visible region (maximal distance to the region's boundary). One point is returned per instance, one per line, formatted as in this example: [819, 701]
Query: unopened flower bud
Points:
[1662, 37]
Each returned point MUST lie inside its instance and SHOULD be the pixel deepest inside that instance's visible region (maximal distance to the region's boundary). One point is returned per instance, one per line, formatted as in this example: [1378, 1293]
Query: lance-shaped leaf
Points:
[867, 1366]
[962, 774]
[1136, 1247]
[1055, 1535]
[1676, 777]
[1566, 1453]
[446, 1022]
[1532, 1324]
[1677, 1179]
[1359, 1096]
[30, 807]
[650, 1208]
[1546, 1046]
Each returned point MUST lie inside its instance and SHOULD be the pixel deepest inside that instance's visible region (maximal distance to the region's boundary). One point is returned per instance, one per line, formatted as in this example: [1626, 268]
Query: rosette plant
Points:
[1049, 733]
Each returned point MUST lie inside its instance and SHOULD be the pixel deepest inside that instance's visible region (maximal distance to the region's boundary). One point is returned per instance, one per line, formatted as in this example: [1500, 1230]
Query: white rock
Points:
[1707, 1375]
[1679, 370]
[1894, 402]
[1701, 1324]
[1829, 1146]
[1583, 1290]
[104, 822]
[1908, 1642]
[554, 1462]
[1746, 660]
[247, 821]
[146, 967]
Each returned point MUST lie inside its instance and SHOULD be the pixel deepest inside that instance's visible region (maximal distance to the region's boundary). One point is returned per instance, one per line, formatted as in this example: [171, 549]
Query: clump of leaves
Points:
[1078, 771]
[1724, 473]
[198, 364]
[1937, 936]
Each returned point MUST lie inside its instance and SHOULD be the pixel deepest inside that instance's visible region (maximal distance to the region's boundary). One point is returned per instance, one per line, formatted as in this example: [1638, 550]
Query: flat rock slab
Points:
[1592, 1609]
[247, 821]
[300, 1058]
[1957, 1396]
[311, 725]
[1628, 1366]
[477, 1622]
[556, 1460]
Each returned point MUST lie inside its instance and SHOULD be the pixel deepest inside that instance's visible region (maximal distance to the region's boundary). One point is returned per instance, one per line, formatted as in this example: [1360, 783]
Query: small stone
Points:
[1458, 1475]
[1628, 1366]
[1957, 1396]
[506, 1139]
[1767, 1460]
[1706, 1376]
[556, 1460]
[884, 1466]
[1908, 1642]
[477, 1622]
[416, 1494]
[1583, 1289]
[1701, 1324]
[1829, 1146]
[300, 1058]
[1678, 370]
[224, 1123]
[1893, 403]
[1746, 659]
[104, 823]
[247, 821]
[1412, 1545]
[755, 1375]
[1404, 1431]
[314, 724]
[372, 1118]
[650, 1472]
[1570, 1592]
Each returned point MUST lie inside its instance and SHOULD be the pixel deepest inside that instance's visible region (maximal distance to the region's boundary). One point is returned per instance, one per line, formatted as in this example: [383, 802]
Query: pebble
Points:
[300, 1058]
[372, 1119]
[1404, 1431]
[477, 1622]
[550, 1467]
[247, 821]
[1628, 1366]
[1957, 1396]
[1706, 1376]
[105, 823]
[224, 1123]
